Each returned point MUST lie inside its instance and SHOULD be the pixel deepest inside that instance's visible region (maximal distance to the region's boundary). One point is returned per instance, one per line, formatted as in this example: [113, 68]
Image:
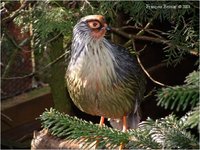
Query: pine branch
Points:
[69, 127]
[164, 133]
[160, 40]
[193, 78]
[193, 117]
[180, 97]
[182, 40]
[170, 133]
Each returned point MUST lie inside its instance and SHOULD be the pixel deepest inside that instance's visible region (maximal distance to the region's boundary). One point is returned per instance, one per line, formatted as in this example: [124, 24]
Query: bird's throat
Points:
[95, 66]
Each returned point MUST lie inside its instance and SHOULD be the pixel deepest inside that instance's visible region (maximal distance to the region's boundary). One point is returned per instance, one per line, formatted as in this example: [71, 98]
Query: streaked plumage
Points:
[102, 78]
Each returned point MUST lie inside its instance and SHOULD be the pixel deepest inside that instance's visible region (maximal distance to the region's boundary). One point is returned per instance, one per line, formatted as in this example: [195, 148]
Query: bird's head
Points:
[91, 52]
[92, 26]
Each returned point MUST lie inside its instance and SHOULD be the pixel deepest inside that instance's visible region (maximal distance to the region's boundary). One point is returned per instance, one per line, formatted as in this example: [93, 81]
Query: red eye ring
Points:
[94, 24]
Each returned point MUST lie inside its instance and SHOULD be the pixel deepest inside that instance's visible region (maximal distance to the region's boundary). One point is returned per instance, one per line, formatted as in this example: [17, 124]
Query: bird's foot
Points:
[123, 130]
[101, 123]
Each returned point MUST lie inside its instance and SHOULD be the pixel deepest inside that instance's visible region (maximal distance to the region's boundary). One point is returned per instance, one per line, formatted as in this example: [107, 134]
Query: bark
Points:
[119, 23]
[57, 78]
[44, 140]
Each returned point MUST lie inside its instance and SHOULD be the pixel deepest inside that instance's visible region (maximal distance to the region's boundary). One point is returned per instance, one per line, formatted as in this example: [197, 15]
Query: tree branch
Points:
[160, 40]
[15, 13]
[145, 71]
[44, 140]
[41, 70]
[138, 58]
[33, 73]
[84, 4]
[138, 37]
[146, 30]
[158, 66]
[12, 57]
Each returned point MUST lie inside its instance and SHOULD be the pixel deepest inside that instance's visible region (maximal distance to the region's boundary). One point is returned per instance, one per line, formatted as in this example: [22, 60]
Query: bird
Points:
[103, 78]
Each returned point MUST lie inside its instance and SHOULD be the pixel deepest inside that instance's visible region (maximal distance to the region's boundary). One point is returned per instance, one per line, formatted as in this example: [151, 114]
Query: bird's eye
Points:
[94, 24]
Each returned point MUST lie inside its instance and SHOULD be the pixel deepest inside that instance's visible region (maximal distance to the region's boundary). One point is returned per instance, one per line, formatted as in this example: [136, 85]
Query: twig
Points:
[84, 4]
[20, 77]
[142, 31]
[146, 30]
[148, 24]
[145, 71]
[131, 27]
[12, 57]
[138, 52]
[138, 58]
[6, 120]
[52, 39]
[19, 48]
[13, 41]
[148, 38]
[156, 30]
[139, 37]
[152, 69]
[155, 34]
[149, 94]
[7, 117]
[41, 70]
[15, 13]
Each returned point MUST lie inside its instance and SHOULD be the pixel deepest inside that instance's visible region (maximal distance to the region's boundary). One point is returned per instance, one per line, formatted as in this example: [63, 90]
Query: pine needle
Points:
[168, 132]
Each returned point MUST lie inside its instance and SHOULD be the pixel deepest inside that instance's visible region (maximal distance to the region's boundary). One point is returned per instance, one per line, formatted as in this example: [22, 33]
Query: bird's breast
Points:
[93, 84]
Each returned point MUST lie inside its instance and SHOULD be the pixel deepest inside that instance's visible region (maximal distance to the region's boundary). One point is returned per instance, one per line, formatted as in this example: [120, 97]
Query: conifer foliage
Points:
[170, 132]
[180, 97]
[167, 133]
[178, 37]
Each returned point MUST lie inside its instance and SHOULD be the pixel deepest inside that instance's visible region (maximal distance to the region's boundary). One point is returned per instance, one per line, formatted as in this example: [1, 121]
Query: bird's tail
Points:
[133, 120]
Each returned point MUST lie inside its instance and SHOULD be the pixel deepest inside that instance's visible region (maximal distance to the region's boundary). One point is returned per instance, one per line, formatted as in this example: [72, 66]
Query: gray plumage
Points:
[103, 79]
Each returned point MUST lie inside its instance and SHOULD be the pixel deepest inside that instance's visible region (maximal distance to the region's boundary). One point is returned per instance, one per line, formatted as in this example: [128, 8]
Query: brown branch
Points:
[139, 61]
[156, 67]
[44, 140]
[156, 30]
[41, 70]
[13, 41]
[149, 38]
[86, 2]
[150, 69]
[155, 34]
[146, 30]
[52, 39]
[146, 72]
[36, 72]
[149, 94]
[138, 37]
[15, 13]
[12, 57]
[131, 27]
[140, 51]
[6, 120]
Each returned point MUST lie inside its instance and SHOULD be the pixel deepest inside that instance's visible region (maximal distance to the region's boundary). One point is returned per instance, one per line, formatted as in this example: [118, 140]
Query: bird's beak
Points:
[108, 28]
